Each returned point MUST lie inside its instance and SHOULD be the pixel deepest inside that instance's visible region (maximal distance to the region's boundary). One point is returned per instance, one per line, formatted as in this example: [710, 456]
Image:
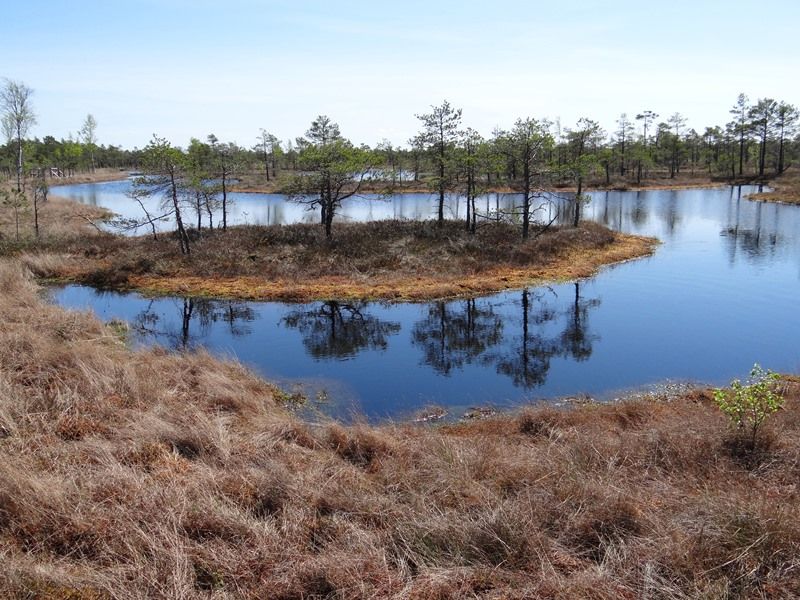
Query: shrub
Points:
[748, 405]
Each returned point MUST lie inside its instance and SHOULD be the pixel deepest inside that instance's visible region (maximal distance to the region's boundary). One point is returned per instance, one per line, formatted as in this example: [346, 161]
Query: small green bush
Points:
[748, 405]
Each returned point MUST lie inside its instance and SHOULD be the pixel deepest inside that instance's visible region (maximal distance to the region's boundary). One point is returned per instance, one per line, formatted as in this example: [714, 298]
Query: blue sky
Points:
[184, 68]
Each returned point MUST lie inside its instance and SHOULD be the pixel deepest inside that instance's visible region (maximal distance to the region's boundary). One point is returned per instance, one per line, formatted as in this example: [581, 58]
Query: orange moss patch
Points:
[573, 264]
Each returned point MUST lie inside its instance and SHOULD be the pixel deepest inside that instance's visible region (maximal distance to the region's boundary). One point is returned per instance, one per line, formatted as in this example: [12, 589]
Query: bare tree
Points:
[18, 116]
[646, 117]
[677, 122]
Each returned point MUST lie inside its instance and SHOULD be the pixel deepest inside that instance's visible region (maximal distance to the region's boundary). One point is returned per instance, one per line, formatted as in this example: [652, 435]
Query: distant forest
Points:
[760, 140]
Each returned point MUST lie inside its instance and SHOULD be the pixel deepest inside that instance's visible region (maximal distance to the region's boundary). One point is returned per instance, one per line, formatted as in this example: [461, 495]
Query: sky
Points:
[187, 68]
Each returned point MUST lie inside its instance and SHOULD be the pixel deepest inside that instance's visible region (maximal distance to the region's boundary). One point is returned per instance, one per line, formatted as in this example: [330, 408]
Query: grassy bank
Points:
[59, 219]
[785, 189]
[145, 474]
[397, 260]
[97, 176]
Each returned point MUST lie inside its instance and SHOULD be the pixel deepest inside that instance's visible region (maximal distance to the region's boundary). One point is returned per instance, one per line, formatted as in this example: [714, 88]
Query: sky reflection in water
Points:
[718, 295]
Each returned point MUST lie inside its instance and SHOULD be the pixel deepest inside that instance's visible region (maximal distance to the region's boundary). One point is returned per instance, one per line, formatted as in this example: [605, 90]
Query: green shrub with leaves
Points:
[749, 404]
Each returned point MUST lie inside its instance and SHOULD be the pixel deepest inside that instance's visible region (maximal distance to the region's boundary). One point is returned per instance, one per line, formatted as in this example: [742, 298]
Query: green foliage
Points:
[332, 169]
[749, 404]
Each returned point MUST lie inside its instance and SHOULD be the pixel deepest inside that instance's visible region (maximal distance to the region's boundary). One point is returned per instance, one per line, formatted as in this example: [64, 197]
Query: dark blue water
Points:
[719, 294]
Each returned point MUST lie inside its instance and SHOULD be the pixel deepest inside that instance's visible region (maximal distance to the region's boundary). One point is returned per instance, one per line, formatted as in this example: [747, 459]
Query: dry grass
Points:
[384, 259]
[150, 475]
[60, 221]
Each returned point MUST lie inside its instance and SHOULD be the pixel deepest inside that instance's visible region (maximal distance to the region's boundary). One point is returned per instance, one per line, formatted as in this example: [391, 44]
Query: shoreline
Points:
[420, 188]
[505, 189]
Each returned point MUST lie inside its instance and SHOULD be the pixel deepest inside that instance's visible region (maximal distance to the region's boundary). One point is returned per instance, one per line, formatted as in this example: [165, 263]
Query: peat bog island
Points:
[406, 303]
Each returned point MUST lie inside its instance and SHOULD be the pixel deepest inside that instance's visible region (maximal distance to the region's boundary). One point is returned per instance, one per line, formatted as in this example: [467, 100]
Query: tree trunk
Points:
[19, 160]
[441, 186]
[36, 215]
[473, 226]
[210, 216]
[182, 236]
[329, 221]
[741, 149]
[199, 207]
[224, 198]
[578, 202]
[526, 203]
[470, 191]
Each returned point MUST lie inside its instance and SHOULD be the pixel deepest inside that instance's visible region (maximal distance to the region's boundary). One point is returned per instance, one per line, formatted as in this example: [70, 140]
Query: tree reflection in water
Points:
[755, 238]
[526, 359]
[339, 330]
[454, 334]
[450, 335]
[178, 334]
[576, 341]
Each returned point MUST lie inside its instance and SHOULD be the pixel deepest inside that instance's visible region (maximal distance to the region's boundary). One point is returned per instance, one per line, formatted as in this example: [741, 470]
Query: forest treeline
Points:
[761, 139]
[322, 168]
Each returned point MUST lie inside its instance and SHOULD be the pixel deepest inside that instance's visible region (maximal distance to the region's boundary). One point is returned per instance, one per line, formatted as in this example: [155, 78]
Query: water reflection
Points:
[752, 228]
[340, 330]
[456, 333]
[576, 340]
[190, 320]
[516, 339]
[526, 357]
[687, 312]
[669, 212]
[639, 212]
